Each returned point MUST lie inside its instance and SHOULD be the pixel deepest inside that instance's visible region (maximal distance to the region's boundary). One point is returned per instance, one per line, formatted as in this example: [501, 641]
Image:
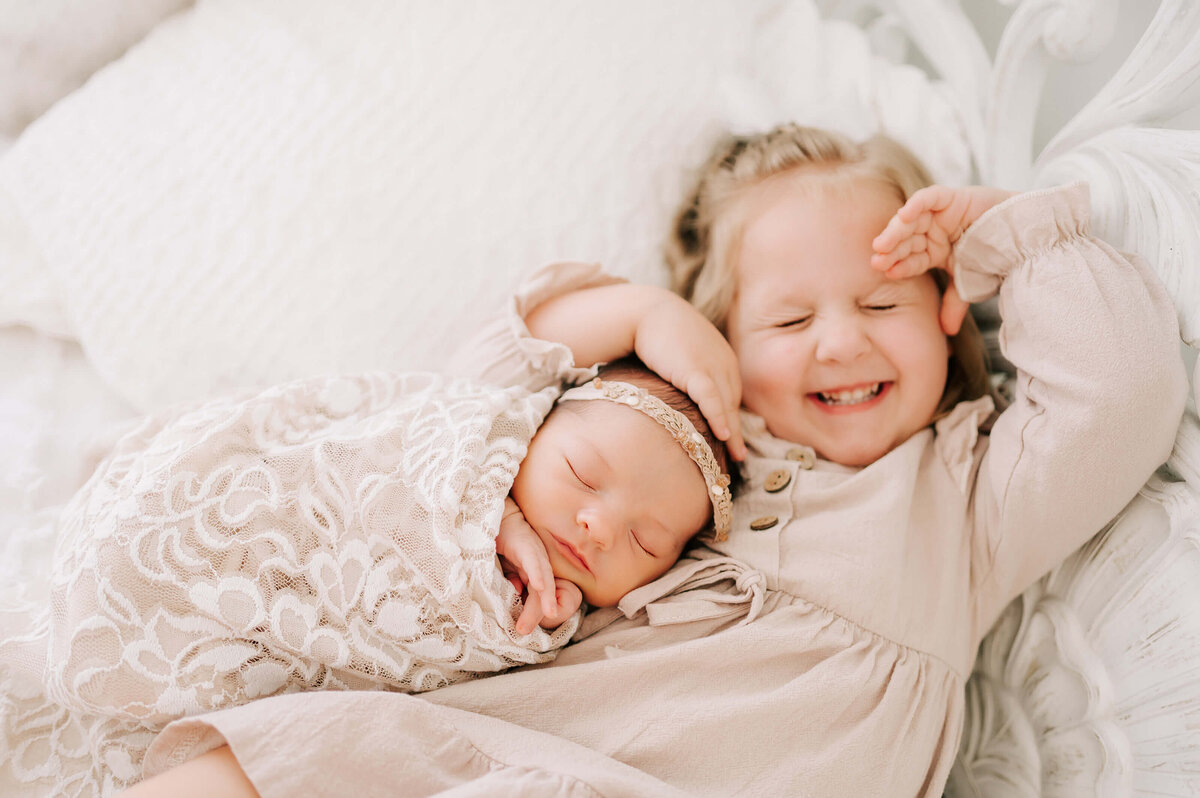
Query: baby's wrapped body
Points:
[333, 533]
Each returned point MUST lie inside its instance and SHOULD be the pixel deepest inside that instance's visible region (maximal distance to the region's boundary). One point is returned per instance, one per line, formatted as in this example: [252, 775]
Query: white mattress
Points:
[55, 414]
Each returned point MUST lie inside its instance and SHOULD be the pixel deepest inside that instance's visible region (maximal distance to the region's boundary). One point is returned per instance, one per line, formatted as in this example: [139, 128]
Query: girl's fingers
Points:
[719, 409]
[912, 265]
[731, 397]
[896, 231]
[898, 253]
[736, 445]
[707, 396]
[931, 199]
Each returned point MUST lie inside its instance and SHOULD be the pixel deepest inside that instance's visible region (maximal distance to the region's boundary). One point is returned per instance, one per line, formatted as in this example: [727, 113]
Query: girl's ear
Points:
[954, 310]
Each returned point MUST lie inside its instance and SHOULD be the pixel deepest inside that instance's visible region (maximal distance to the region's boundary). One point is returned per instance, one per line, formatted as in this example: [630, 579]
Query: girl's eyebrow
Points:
[892, 288]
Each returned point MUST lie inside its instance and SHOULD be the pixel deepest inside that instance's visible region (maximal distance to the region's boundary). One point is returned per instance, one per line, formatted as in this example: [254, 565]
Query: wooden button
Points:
[802, 456]
[764, 522]
[777, 480]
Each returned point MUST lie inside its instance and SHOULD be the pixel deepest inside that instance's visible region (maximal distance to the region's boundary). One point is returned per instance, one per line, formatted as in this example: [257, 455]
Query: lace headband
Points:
[682, 430]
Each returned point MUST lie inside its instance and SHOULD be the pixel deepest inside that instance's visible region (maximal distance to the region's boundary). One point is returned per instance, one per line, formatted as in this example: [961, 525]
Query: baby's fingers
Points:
[530, 615]
[569, 598]
[539, 596]
[540, 582]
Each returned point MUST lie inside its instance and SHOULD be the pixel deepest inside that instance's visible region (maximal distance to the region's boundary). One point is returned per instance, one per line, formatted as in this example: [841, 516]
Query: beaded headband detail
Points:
[682, 430]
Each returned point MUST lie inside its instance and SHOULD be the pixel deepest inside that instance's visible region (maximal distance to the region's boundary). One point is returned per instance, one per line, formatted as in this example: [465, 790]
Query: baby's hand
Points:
[686, 350]
[568, 599]
[524, 561]
[922, 235]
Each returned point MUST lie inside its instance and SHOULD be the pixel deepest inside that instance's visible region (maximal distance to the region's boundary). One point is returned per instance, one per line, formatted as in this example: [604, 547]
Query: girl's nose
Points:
[841, 339]
[597, 526]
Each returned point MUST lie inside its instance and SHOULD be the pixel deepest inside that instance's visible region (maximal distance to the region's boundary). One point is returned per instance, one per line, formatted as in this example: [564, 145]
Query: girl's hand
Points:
[524, 562]
[686, 350]
[669, 335]
[922, 235]
[568, 599]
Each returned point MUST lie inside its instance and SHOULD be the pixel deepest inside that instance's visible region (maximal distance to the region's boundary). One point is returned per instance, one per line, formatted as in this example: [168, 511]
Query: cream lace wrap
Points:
[333, 533]
[330, 533]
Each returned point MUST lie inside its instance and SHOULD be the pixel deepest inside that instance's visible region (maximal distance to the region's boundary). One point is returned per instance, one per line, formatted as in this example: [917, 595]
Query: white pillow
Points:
[267, 189]
[49, 47]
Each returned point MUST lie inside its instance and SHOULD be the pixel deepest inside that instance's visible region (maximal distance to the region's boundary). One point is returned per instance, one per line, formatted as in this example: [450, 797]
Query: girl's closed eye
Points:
[880, 306]
[798, 322]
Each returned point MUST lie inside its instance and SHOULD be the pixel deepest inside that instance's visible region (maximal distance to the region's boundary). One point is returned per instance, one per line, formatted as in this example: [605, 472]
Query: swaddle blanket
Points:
[332, 533]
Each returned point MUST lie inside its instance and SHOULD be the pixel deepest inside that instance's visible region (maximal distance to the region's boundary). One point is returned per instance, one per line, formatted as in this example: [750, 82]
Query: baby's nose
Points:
[597, 526]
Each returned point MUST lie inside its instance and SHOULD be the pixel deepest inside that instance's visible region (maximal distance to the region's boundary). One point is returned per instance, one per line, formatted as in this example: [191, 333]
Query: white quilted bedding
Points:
[356, 190]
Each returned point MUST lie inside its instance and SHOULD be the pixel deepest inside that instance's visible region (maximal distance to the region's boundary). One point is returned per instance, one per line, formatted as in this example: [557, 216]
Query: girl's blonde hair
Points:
[707, 229]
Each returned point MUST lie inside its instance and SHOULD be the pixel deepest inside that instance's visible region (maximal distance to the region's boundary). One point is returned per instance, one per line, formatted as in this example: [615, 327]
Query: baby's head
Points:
[774, 246]
[622, 474]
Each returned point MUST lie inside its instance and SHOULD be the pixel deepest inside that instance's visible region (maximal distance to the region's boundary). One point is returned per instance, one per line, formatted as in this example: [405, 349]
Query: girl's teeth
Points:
[850, 397]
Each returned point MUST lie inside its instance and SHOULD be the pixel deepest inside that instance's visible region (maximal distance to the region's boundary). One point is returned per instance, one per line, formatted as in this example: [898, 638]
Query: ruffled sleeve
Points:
[1016, 232]
[1099, 391]
[503, 352]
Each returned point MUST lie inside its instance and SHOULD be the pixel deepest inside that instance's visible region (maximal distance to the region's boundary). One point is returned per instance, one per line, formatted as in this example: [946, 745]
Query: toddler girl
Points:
[891, 511]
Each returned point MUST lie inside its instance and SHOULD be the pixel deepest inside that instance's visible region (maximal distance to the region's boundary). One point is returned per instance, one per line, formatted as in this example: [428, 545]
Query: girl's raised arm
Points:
[569, 317]
[1100, 386]
[664, 331]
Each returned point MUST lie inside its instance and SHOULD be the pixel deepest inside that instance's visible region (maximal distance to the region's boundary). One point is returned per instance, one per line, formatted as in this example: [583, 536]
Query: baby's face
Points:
[611, 495]
[832, 353]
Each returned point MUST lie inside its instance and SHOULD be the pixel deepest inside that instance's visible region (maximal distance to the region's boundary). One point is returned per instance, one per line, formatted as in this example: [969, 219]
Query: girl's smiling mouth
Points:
[852, 399]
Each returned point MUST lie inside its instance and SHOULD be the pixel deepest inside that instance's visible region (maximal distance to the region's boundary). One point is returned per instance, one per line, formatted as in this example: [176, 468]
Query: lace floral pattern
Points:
[332, 533]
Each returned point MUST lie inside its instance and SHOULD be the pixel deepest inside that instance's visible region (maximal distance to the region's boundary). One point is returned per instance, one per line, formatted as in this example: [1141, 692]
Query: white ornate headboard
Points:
[1090, 683]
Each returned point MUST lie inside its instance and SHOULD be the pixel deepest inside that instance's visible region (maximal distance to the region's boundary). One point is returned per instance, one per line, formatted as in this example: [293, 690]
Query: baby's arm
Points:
[548, 600]
[664, 331]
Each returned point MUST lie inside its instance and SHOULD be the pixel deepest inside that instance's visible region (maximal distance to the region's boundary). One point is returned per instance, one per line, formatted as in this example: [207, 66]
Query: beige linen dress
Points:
[869, 588]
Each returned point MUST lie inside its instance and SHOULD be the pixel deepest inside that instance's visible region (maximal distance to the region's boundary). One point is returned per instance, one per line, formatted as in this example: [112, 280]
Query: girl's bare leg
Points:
[216, 773]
